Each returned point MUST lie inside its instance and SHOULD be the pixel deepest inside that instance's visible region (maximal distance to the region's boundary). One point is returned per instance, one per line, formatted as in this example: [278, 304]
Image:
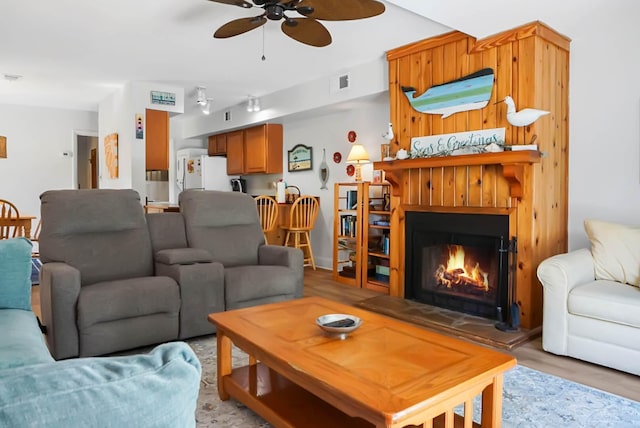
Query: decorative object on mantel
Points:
[385, 152]
[3, 146]
[351, 136]
[389, 134]
[358, 155]
[337, 157]
[111, 154]
[471, 92]
[402, 154]
[523, 117]
[458, 143]
[324, 170]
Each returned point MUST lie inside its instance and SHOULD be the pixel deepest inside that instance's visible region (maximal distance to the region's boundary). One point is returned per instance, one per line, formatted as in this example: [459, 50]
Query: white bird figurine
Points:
[389, 134]
[523, 117]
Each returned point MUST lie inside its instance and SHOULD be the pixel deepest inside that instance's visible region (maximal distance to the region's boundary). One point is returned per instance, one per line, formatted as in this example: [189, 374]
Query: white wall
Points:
[604, 91]
[36, 138]
[329, 132]
[117, 114]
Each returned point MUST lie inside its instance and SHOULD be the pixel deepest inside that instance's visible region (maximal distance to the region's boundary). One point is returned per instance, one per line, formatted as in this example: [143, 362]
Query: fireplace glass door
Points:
[459, 262]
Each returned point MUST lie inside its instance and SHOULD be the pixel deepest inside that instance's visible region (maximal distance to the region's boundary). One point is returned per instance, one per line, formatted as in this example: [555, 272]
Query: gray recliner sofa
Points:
[226, 225]
[100, 291]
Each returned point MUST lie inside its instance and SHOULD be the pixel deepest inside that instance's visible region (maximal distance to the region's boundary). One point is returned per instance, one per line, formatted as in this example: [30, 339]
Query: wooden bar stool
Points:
[301, 220]
[9, 211]
[268, 213]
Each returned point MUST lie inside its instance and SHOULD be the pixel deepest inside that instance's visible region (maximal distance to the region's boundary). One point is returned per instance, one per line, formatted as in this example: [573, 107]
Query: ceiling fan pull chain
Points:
[263, 57]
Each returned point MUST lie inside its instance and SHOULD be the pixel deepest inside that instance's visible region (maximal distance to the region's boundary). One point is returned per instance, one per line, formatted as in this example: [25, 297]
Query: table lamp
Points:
[358, 155]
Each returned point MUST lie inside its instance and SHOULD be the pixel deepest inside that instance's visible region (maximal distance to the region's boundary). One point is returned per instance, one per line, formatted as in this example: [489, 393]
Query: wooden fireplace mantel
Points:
[513, 164]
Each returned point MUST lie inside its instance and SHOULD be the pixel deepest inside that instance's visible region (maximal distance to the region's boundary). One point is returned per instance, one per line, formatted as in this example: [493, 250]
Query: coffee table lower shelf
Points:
[285, 404]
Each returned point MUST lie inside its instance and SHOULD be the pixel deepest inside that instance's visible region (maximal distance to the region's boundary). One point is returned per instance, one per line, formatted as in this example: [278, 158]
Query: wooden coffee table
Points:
[387, 373]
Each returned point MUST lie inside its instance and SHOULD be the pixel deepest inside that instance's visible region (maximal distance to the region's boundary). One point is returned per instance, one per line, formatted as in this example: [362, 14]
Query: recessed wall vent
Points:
[227, 116]
[343, 81]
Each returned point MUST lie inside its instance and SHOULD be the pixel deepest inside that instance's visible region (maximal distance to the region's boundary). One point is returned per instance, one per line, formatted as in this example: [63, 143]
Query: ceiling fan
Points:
[305, 29]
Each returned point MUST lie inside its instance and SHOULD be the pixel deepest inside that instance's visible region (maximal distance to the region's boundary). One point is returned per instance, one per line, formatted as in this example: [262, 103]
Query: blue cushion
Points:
[159, 389]
[15, 274]
[21, 342]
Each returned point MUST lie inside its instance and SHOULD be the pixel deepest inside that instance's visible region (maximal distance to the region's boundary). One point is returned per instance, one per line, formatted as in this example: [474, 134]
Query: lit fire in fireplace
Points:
[457, 274]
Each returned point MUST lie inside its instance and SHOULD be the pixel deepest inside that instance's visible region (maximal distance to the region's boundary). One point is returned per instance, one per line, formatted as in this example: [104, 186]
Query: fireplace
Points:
[459, 261]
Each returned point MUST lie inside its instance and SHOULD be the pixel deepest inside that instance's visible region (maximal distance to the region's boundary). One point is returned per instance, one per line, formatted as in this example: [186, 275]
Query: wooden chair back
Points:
[304, 212]
[268, 212]
[7, 229]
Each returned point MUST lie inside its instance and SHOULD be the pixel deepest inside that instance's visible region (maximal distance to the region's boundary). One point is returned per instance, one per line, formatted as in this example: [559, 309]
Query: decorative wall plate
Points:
[337, 157]
[351, 170]
[351, 136]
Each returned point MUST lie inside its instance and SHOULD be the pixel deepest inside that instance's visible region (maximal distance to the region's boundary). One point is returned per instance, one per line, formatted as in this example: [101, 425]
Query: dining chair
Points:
[268, 213]
[8, 230]
[302, 217]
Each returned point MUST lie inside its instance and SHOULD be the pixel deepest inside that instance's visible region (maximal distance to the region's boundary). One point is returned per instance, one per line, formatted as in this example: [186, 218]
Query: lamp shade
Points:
[358, 154]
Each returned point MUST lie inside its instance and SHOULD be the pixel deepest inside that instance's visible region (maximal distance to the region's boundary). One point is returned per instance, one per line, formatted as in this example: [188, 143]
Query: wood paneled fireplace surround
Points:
[524, 191]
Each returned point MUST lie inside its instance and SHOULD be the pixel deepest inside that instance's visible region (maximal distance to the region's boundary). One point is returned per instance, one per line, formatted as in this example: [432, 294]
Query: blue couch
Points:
[157, 389]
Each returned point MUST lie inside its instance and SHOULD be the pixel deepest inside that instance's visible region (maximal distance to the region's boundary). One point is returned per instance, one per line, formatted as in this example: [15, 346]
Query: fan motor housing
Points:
[274, 12]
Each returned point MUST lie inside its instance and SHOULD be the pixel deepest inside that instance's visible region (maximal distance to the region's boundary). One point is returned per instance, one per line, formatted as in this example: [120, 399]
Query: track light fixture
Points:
[202, 95]
[202, 100]
[253, 104]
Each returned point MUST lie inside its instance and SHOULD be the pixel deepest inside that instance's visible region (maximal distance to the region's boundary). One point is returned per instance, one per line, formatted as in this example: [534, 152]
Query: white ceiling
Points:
[74, 53]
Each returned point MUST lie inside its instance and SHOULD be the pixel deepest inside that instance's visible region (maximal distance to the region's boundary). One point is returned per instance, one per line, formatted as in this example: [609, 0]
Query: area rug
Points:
[531, 399]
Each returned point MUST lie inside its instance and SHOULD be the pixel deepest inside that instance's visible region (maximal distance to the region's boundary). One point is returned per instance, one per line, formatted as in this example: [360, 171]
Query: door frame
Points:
[74, 174]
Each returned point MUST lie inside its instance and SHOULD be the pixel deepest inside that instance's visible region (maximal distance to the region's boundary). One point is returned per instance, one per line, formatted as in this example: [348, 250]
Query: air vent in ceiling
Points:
[227, 116]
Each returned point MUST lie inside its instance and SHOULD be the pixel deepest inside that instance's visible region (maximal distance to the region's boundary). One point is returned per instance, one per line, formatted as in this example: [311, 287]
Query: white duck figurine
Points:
[523, 117]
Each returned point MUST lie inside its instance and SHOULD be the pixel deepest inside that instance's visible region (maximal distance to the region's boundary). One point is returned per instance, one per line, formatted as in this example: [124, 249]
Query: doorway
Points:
[87, 160]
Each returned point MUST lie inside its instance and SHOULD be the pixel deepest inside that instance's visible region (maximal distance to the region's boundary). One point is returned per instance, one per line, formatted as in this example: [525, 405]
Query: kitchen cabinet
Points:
[157, 140]
[217, 145]
[263, 149]
[235, 152]
[255, 150]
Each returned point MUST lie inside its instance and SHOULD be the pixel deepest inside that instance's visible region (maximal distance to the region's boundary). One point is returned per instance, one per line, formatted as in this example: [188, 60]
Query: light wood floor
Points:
[530, 354]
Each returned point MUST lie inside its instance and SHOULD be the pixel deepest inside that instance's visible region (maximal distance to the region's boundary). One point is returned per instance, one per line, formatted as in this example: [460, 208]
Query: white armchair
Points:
[591, 319]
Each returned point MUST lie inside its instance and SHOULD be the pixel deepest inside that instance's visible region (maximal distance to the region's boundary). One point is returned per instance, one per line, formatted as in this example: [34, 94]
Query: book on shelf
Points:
[348, 225]
[352, 199]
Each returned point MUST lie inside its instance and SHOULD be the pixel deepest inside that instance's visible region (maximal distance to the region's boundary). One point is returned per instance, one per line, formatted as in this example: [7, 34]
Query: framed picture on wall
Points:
[300, 158]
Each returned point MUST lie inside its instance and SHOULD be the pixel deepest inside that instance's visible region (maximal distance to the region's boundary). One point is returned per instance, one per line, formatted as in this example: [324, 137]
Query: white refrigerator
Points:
[197, 170]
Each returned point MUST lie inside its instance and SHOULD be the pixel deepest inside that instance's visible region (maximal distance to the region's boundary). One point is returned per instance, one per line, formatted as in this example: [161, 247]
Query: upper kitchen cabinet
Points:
[157, 142]
[255, 150]
[217, 145]
[235, 152]
[263, 149]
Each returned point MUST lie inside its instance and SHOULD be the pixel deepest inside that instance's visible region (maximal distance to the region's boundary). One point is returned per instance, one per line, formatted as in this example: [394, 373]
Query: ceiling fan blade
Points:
[307, 31]
[240, 3]
[340, 10]
[239, 26]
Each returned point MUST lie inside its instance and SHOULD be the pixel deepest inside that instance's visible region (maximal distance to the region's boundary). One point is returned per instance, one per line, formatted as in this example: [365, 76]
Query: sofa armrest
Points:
[280, 256]
[201, 293]
[158, 389]
[59, 292]
[183, 256]
[558, 275]
[290, 257]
